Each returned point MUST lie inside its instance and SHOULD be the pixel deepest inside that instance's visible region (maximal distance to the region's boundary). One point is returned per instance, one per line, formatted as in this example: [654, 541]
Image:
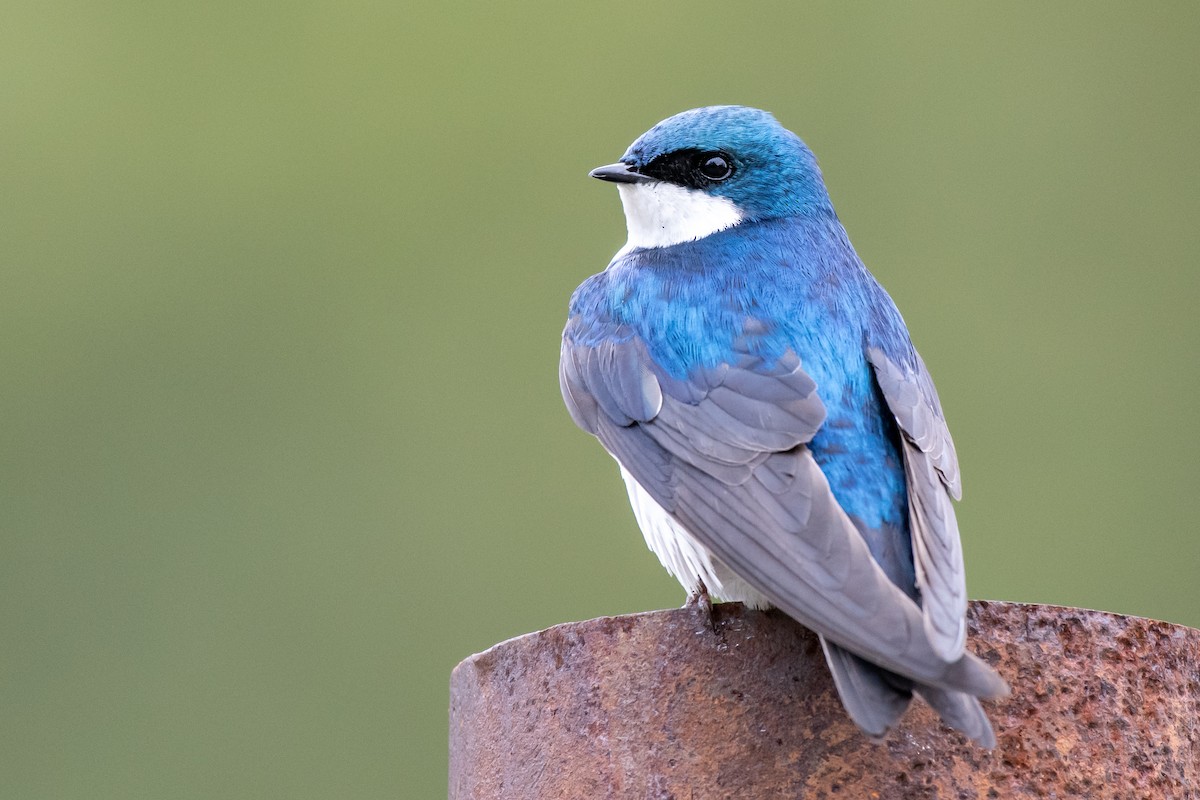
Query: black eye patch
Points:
[695, 169]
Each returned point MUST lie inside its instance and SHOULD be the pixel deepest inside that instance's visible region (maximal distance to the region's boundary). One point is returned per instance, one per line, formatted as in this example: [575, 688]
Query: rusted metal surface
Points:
[661, 705]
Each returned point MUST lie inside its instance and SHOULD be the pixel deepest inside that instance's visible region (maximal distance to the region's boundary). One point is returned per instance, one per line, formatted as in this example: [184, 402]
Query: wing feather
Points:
[931, 469]
[724, 453]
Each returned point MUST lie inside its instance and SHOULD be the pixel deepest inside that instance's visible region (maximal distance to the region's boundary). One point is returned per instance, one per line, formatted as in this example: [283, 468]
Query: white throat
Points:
[662, 214]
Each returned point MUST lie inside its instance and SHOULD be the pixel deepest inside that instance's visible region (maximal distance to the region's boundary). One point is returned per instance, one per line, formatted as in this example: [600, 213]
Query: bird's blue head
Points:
[710, 168]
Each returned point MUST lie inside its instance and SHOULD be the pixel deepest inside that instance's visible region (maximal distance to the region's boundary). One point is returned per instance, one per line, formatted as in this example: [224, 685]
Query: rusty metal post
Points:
[660, 705]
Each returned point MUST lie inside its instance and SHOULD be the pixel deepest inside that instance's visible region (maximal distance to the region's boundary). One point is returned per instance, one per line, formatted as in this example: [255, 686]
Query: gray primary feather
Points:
[960, 711]
[931, 469]
[725, 455]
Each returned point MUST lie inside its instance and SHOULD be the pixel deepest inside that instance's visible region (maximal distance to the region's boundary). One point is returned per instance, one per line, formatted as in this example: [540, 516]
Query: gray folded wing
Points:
[723, 451]
[931, 468]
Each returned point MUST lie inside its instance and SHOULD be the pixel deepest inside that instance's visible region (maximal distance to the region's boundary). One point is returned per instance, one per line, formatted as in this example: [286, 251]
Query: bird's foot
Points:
[700, 600]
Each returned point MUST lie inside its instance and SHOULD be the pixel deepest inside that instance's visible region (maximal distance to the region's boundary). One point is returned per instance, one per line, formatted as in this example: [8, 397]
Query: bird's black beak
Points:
[619, 173]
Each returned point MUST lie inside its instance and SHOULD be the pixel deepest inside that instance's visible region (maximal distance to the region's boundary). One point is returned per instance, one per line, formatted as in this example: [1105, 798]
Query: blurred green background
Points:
[282, 291]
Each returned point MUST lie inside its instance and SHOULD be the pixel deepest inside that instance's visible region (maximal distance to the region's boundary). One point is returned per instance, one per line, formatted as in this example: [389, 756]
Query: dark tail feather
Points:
[875, 698]
[869, 693]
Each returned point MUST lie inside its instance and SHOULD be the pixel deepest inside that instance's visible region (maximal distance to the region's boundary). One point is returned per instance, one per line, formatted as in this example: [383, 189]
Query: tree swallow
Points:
[780, 439]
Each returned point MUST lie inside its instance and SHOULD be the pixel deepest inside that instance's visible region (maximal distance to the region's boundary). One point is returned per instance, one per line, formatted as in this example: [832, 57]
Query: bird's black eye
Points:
[713, 166]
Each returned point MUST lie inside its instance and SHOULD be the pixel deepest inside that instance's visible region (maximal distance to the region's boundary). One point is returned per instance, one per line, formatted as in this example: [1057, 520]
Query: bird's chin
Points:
[662, 214]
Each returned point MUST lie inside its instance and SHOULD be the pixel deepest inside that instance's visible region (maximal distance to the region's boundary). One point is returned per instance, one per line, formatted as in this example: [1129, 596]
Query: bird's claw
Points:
[701, 601]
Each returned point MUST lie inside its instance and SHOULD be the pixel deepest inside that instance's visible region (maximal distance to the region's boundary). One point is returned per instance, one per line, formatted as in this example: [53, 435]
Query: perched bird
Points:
[781, 440]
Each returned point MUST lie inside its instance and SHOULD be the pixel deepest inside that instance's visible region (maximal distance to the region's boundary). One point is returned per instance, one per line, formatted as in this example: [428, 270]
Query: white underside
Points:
[662, 214]
[684, 557]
